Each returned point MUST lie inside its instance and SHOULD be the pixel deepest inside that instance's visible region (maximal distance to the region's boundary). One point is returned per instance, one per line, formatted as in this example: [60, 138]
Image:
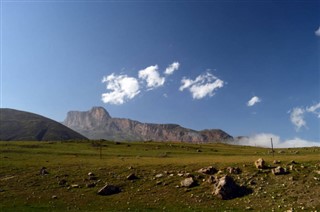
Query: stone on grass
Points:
[234, 170]
[208, 170]
[260, 163]
[188, 182]
[43, 171]
[279, 170]
[132, 176]
[226, 188]
[109, 190]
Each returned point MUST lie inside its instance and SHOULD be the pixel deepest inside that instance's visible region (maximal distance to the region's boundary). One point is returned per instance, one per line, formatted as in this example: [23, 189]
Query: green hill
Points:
[25, 126]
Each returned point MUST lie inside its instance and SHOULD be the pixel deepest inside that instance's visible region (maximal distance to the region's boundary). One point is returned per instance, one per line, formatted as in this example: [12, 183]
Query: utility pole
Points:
[272, 148]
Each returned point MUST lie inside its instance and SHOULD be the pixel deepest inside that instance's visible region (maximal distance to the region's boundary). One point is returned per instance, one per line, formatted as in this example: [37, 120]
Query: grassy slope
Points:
[23, 189]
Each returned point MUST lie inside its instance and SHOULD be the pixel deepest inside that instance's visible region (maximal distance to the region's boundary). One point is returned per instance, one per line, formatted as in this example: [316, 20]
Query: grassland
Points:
[22, 188]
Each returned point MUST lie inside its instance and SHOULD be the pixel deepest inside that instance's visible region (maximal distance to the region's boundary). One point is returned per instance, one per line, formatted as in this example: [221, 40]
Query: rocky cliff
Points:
[98, 124]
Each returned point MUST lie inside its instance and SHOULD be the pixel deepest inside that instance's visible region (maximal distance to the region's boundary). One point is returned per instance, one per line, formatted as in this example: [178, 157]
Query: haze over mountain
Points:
[98, 124]
[24, 126]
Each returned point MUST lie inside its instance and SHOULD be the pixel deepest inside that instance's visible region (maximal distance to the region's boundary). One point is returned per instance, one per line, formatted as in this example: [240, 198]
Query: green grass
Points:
[24, 189]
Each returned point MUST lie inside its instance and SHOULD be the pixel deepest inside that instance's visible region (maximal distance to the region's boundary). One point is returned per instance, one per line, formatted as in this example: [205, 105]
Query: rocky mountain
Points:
[98, 124]
[24, 126]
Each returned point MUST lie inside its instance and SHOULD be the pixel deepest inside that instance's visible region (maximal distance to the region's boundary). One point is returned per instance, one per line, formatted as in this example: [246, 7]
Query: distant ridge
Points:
[24, 126]
[98, 124]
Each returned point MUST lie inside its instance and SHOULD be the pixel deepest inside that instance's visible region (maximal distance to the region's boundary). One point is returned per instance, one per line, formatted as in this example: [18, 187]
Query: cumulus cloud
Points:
[122, 88]
[264, 140]
[172, 68]
[317, 32]
[297, 118]
[314, 109]
[152, 77]
[203, 85]
[254, 100]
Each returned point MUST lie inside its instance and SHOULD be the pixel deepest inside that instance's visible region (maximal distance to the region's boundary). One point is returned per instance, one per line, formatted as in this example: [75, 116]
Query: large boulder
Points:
[188, 182]
[260, 163]
[109, 190]
[226, 188]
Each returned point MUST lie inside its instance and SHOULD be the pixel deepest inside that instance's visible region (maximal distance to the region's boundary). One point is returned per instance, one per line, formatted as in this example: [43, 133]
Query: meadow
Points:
[159, 167]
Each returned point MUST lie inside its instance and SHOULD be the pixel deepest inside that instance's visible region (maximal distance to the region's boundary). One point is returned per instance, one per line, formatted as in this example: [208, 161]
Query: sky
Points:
[250, 68]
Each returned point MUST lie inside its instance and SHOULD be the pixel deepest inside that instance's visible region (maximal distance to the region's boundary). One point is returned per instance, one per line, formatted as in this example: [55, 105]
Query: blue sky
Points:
[61, 56]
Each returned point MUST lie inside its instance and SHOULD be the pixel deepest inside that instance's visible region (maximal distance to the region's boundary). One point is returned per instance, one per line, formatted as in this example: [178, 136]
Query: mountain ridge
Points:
[25, 126]
[98, 124]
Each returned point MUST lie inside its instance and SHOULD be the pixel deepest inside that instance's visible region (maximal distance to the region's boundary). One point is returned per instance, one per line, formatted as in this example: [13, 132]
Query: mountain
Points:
[24, 126]
[98, 124]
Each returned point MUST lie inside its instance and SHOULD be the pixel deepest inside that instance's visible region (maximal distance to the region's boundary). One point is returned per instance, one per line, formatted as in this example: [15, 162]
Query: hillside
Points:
[98, 124]
[151, 176]
[24, 126]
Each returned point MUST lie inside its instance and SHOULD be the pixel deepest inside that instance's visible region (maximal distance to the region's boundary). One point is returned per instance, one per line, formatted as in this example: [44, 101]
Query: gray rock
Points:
[188, 182]
[226, 188]
[279, 170]
[234, 170]
[132, 176]
[43, 171]
[159, 175]
[109, 190]
[260, 163]
[212, 179]
[208, 170]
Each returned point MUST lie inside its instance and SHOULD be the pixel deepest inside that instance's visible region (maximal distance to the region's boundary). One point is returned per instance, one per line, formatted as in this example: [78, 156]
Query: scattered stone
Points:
[43, 171]
[317, 171]
[109, 190]
[90, 174]
[159, 175]
[180, 174]
[212, 179]
[188, 175]
[62, 182]
[54, 197]
[93, 178]
[130, 167]
[132, 176]
[199, 150]
[90, 185]
[226, 188]
[208, 170]
[188, 182]
[260, 163]
[276, 162]
[158, 182]
[75, 186]
[234, 170]
[293, 162]
[279, 170]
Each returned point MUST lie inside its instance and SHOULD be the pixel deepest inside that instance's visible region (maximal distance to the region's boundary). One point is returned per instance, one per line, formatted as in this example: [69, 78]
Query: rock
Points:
[211, 179]
[75, 186]
[226, 188]
[260, 164]
[279, 170]
[62, 182]
[109, 190]
[132, 176]
[317, 171]
[208, 170]
[234, 170]
[90, 185]
[54, 197]
[43, 171]
[90, 174]
[159, 175]
[188, 182]
[180, 174]
[276, 162]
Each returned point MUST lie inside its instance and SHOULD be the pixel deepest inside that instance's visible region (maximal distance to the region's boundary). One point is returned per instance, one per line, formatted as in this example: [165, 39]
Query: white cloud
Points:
[152, 77]
[254, 100]
[317, 32]
[122, 88]
[314, 109]
[171, 68]
[203, 85]
[264, 140]
[297, 118]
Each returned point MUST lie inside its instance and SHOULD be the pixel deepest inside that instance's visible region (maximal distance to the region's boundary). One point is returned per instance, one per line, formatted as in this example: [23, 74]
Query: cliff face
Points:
[98, 124]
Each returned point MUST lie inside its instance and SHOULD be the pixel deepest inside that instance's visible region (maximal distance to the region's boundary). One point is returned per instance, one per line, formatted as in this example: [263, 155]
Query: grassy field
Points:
[22, 188]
